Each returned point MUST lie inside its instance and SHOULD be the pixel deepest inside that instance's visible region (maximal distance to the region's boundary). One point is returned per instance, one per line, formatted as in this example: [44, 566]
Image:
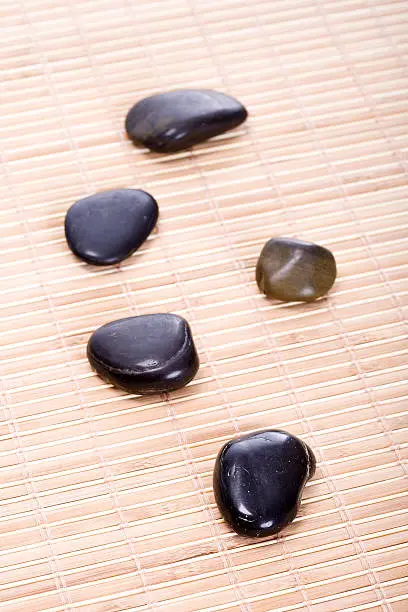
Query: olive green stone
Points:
[293, 270]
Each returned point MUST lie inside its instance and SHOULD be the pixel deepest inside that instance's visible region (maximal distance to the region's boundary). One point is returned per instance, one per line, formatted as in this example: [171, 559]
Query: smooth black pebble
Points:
[107, 227]
[145, 354]
[176, 120]
[259, 479]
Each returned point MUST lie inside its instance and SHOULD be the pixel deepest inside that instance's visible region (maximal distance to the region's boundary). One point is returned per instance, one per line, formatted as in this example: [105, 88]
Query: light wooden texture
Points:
[106, 499]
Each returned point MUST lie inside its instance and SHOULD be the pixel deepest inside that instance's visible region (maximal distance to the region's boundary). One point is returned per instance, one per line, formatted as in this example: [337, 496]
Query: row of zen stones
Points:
[259, 477]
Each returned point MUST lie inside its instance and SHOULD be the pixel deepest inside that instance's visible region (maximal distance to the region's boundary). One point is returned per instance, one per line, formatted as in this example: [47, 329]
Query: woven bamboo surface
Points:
[106, 499]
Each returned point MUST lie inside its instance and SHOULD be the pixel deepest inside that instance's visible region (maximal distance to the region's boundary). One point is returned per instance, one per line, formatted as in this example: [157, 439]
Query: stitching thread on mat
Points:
[359, 547]
[40, 514]
[185, 449]
[271, 342]
[106, 468]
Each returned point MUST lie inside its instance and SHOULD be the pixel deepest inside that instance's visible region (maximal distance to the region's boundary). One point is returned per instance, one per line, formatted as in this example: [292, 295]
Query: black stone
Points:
[145, 354]
[176, 120]
[259, 479]
[107, 227]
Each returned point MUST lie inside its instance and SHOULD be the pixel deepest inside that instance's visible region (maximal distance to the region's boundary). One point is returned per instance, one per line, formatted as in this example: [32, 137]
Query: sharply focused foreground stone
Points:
[176, 120]
[259, 479]
[107, 227]
[145, 354]
[294, 270]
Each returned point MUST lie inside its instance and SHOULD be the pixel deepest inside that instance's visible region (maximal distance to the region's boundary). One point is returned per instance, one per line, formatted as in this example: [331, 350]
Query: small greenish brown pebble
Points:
[293, 270]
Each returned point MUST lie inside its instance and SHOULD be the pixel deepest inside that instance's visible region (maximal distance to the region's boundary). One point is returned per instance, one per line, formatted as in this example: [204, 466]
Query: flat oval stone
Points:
[107, 227]
[176, 120]
[145, 354]
[259, 479]
[293, 270]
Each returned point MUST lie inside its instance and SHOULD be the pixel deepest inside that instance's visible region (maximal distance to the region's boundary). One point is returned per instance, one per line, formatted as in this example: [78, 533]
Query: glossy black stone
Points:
[295, 270]
[107, 227]
[259, 479]
[176, 120]
[144, 354]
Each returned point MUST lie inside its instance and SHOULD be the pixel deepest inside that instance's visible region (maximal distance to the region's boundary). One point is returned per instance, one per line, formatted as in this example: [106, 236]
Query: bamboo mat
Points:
[106, 499]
